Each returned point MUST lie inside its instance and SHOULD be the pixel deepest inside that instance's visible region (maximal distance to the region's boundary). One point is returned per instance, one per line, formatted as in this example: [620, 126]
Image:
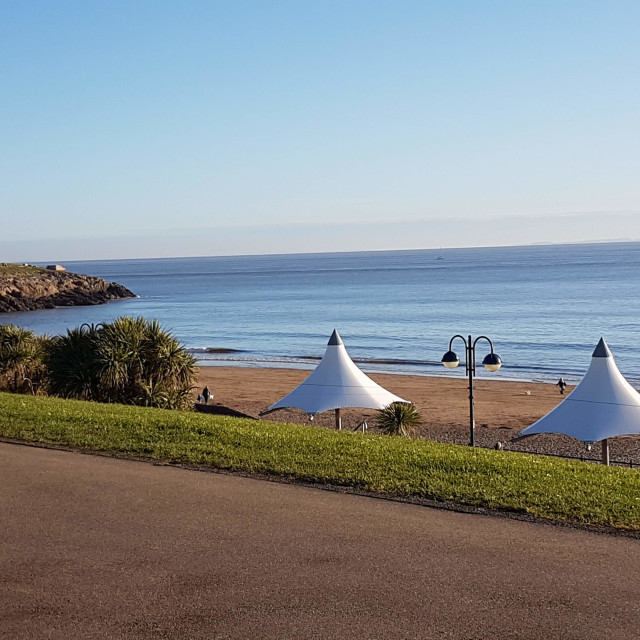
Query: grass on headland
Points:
[9, 269]
[544, 487]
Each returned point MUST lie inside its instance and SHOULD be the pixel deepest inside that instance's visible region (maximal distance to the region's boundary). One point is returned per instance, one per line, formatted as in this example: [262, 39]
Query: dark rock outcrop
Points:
[47, 289]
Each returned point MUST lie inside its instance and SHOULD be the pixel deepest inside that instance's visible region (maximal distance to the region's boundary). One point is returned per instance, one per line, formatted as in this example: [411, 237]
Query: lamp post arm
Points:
[457, 336]
[483, 338]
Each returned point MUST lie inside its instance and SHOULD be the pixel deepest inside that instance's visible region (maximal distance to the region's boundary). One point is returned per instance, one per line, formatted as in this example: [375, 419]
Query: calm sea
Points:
[544, 307]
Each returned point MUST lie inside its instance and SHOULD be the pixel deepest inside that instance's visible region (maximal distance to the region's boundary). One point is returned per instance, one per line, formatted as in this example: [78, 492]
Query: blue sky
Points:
[140, 129]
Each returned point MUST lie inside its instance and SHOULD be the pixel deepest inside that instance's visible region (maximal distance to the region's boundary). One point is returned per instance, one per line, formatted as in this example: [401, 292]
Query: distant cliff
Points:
[26, 288]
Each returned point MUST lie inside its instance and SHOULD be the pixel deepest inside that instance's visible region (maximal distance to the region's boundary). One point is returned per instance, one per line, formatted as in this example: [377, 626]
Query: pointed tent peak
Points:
[336, 383]
[602, 350]
[604, 405]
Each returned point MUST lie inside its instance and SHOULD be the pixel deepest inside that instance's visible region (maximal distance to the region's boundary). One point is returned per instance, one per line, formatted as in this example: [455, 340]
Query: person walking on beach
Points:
[562, 384]
[206, 394]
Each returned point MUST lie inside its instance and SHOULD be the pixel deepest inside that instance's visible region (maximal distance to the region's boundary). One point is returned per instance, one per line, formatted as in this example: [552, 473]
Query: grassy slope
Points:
[545, 487]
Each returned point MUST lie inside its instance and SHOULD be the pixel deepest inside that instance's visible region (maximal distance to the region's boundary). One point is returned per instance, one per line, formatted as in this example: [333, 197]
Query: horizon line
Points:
[311, 253]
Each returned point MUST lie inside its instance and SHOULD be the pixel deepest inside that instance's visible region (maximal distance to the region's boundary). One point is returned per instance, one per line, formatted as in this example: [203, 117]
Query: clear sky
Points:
[140, 129]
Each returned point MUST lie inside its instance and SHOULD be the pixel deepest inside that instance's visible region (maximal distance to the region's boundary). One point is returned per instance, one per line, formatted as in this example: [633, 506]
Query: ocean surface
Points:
[544, 307]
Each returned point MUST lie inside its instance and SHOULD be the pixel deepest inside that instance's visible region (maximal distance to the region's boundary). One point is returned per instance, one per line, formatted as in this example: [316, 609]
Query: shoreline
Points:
[362, 365]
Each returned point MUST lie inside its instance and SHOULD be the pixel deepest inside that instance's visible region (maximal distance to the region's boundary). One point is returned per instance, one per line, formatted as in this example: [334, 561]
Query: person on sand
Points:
[562, 384]
[206, 394]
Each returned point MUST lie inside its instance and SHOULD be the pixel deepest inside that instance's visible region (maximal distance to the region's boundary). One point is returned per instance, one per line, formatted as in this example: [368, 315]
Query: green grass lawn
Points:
[19, 270]
[545, 487]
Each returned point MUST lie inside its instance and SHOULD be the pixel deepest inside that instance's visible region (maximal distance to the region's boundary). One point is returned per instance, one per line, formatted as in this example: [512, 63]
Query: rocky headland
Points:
[27, 288]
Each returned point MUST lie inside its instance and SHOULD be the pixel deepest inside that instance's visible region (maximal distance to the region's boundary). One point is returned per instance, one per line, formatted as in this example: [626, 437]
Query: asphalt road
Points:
[92, 547]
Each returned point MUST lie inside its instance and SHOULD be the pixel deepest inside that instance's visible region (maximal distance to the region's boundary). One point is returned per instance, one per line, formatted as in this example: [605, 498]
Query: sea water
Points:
[544, 307]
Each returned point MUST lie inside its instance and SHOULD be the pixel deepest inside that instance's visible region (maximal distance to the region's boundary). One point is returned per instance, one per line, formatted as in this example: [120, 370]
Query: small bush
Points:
[398, 419]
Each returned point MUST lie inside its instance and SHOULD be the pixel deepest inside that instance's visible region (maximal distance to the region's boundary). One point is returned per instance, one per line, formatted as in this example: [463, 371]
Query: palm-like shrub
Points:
[399, 419]
[71, 364]
[130, 361]
[119, 362]
[21, 359]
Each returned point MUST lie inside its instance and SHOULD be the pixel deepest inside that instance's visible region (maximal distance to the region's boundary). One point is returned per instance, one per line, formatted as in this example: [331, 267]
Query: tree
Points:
[399, 419]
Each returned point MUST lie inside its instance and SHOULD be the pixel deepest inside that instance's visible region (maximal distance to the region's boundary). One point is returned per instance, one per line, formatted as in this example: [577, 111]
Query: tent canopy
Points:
[336, 383]
[604, 405]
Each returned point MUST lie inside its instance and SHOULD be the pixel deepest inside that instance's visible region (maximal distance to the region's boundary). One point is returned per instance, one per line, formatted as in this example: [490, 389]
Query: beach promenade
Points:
[94, 547]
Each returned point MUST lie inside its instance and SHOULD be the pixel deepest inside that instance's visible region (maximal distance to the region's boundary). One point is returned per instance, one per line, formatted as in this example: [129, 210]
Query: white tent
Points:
[604, 405]
[334, 384]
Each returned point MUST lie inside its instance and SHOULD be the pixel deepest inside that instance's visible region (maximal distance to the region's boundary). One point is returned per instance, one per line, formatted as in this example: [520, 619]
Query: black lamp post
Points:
[491, 362]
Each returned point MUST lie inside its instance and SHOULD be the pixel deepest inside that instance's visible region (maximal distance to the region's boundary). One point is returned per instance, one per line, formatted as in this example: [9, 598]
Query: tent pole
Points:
[605, 451]
[338, 419]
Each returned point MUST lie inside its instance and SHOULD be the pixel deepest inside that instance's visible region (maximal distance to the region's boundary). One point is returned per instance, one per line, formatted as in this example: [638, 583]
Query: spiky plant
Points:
[118, 359]
[21, 359]
[398, 419]
[129, 361]
[71, 364]
[166, 361]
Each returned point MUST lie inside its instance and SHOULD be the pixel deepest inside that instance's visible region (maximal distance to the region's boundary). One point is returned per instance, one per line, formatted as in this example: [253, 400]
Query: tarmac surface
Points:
[94, 547]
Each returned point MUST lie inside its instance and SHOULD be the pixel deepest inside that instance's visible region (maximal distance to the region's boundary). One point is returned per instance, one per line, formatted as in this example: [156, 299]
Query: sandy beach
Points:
[502, 408]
